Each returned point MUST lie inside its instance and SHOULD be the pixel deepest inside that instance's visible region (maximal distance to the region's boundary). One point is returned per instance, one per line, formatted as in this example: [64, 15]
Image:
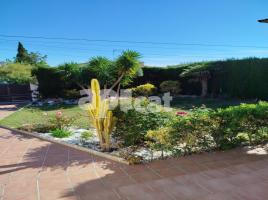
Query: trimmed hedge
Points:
[246, 78]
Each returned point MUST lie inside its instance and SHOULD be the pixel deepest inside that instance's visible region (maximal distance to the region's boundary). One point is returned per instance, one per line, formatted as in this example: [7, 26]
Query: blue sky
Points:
[180, 23]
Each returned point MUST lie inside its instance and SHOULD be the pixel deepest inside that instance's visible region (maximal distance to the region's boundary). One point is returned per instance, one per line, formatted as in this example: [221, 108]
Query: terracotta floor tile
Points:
[116, 182]
[104, 195]
[169, 172]
[144, 176]
[142, 192]
[183, 189]
[68, 174]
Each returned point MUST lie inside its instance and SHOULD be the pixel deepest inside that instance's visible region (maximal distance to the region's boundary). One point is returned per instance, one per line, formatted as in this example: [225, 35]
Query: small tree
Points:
[32, 58]
[22, 54]
[127, 67]
[103, 69]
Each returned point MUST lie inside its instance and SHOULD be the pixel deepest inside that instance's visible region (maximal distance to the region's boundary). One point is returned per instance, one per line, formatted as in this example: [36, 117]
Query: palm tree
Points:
[103, 69]
[127, 66]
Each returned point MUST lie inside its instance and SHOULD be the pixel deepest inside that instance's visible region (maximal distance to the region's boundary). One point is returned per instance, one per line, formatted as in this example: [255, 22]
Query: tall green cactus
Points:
[100, 116]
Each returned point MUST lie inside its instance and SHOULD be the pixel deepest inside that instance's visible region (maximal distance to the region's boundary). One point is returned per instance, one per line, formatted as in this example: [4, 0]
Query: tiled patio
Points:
[8, 109]
[34, 169]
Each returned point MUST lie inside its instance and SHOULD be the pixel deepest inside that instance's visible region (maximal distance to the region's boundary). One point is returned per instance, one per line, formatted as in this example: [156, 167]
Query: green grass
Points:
[186, 103]
[34, 115]
[61, 133]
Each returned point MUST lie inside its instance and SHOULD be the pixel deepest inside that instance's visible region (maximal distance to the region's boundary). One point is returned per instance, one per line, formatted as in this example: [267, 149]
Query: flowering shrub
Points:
[60, 121]
[181, 113]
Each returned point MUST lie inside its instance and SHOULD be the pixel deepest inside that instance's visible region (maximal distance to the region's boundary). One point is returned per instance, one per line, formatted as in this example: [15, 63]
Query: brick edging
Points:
[91, 151]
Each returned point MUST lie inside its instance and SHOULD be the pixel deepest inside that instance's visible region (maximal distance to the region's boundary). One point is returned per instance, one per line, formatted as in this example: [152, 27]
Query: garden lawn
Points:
[186, 103]
[35, 115]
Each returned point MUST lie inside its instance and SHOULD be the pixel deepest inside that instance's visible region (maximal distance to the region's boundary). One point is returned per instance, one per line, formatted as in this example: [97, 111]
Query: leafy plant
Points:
[170, 86]
[16, 73]
[159, 139]
[61, 133]
[132, 125]
[144, 90]
[61, 121]
[86, 135]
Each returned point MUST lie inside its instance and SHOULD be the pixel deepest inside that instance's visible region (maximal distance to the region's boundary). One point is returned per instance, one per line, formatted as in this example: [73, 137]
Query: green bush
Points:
[159, 139]
[16, 73]
[132, 125]
[61, 133]
[170, 86]
[192, 132]
[50, 81]
[204, 129]
[86, 135]
[144, 90]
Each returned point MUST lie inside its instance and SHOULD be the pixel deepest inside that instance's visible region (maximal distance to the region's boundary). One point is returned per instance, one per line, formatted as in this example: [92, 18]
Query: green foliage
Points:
[61, 121]
[32, 58]
[159, 139]
[192, 132]
[50, 81]
[127, 66]
[133, 125]
[104, 70]
[55, 81]
[170, 86]
[204, 129]
[157, 75]
[16, 73]
[144, 90]
[238, 78]
[61, 133]
[86, 135]
[22, 54]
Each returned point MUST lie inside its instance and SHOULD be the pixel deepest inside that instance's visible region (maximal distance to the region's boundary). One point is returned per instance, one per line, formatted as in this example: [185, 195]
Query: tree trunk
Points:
[204, 84]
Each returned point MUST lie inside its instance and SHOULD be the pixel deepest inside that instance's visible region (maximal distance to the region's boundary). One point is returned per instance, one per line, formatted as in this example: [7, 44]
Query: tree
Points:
[22, 54]
[103, 69]
[127, 67]
[71, 73]
[32, 58]
[36, 58]
[113, 73]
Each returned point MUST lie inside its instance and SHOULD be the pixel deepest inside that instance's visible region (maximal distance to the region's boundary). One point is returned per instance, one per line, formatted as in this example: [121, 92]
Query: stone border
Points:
[91, 151]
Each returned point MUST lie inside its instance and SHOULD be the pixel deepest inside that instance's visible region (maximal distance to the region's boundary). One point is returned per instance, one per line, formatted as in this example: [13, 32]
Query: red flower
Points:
[181, 113]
